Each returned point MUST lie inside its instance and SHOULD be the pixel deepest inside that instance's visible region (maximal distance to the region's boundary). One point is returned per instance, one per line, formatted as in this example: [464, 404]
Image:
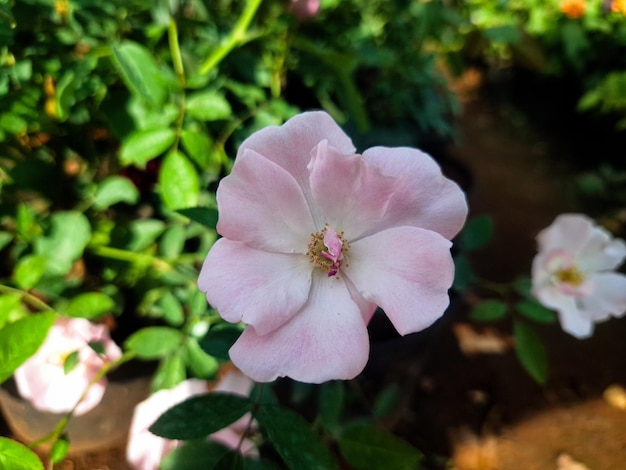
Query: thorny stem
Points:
[27, 298]
[236, 37]
[129, 256]
[255, 408]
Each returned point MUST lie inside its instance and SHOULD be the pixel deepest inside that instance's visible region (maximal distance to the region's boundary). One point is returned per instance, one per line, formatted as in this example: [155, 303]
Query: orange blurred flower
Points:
[618, 6]
[573, 8]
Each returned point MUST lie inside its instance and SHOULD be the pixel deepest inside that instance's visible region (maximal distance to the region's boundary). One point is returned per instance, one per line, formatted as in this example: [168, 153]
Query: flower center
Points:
[570, 275]
[327, 249]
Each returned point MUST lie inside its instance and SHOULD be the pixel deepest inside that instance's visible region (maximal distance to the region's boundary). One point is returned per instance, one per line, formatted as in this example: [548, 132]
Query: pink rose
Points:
[315, 236]
[573, 273]
[145, 451]
[304, 9]
[42, 379]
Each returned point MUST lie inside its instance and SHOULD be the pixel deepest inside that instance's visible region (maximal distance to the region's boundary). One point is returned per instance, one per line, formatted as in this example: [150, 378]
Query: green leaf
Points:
[463, 273]
[208, 106]
[198, 146]
[115, 189]
[203, 365]
[232, 460]
[13, 123]
[331, 401]
[201, 415]
[507, 34]
[98, 347]
[11, 308]
[5, 237]
[16, 456]
[140, 72]
[535, 311]
[144, 145]
[60, 449]
[220, 339]
[90, 305]
[523, 286]
[179, 182]
[68, 237]
[369, 448]
[144, 232]
[65, 95]
[531, 352]
[29, 271]
[27, 226]
[172, 309]
[172, 242]
[154, 342]
[194, 455]
[387, 400]
[71, 361]
[206, 216]
[20, 340]
[170, 373]
[488, 310]
[477, 232]
[294, 440]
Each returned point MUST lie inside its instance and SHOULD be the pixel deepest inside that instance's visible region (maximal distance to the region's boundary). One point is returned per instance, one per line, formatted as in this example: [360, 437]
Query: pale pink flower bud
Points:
[304, 9]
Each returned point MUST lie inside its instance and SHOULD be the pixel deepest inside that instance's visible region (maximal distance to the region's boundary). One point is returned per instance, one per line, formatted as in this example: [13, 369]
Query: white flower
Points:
[146, 450]
[42, 379]
[573, 273]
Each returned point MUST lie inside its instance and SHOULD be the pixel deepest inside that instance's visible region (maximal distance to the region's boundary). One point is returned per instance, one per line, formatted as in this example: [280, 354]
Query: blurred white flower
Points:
[42, 379]
[145, 451]
[574, 273]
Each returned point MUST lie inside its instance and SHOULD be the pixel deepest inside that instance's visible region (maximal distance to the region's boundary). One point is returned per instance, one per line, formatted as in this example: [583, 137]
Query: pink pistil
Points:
[333, 243]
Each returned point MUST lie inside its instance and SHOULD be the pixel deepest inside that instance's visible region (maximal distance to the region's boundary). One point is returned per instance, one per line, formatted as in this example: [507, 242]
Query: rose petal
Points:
[326, 340]
[601, 252]
[568, 232]
[407, 271]
[145, 450]
[290, 145]
[257, 287]
[576, 323]
[235, 382]
[608, 296]
[261, 205]
[350, 195]
[423, 197]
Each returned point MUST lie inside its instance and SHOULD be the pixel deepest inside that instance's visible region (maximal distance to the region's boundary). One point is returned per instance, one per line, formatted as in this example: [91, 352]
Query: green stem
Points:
[236, 37]
[129, 256]
[179, 69]
[27, 298]
[502, 288]
[177, 58]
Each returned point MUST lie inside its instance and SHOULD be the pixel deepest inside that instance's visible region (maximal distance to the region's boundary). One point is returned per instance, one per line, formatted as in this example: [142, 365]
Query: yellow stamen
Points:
[571, 276]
